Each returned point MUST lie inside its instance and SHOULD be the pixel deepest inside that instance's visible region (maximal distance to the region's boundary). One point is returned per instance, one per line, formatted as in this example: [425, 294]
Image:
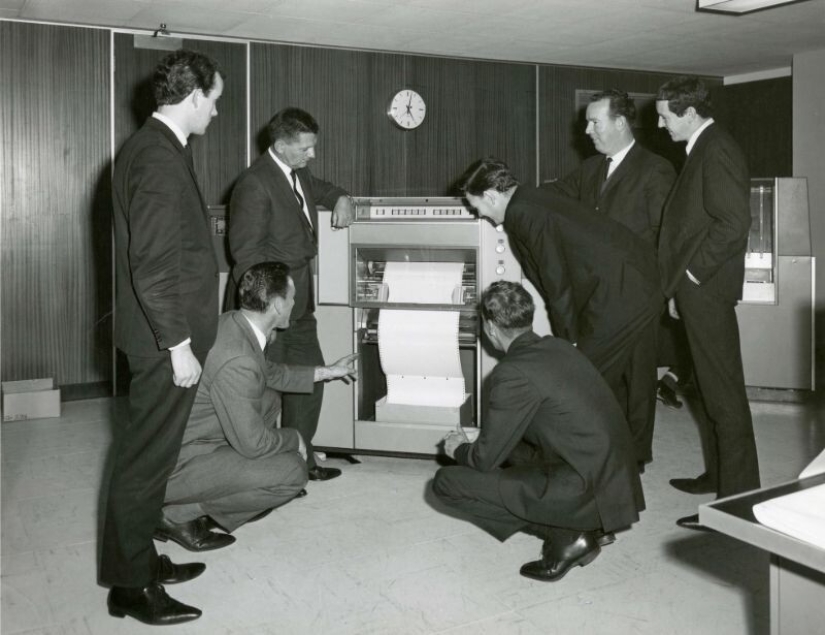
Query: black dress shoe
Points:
[194, 535]
[558, 557]
[319, 473]
[171, 573]
[692, 522]
[150, 605]
[301, 494]
[667, 395]
[702, 484]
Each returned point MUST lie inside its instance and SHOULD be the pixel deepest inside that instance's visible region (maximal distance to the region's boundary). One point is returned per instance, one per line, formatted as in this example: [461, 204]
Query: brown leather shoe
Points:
[560, 555]
[194, 535]
[171, 573]
[149, 605]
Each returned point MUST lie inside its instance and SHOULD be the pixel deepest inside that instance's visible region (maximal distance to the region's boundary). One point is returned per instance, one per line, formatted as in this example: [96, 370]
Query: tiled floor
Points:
[368, 553]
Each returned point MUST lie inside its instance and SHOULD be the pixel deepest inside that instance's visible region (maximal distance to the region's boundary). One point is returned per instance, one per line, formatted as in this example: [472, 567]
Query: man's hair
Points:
[181, 72]
[621, 104]
[261, 284]
[288, 123]
[682, 92]
[508, 305]
[485, 174]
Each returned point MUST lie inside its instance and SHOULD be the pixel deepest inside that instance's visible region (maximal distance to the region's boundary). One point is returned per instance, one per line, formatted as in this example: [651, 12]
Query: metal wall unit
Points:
[776, 314]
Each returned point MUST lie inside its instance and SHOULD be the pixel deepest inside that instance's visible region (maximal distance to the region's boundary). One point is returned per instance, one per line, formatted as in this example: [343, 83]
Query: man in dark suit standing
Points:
[167, 314]
[629, 184]
[236, 465]
[273, 217]
[598, 279]
[702, 246]
[554, 456]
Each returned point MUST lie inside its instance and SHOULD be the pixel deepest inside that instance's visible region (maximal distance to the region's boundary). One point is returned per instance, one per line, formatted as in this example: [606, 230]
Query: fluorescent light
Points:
[739, 6]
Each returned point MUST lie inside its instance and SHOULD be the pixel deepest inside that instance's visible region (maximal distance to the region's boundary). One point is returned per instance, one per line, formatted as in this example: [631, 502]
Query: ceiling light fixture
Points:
[740, 6]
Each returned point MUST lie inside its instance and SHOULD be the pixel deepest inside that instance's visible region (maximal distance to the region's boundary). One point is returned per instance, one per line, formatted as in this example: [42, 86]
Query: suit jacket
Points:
[266, 223]
[166, 268]
[707, 218]
[237, 403]
[634, 195]
[551, 414]
[589, 269]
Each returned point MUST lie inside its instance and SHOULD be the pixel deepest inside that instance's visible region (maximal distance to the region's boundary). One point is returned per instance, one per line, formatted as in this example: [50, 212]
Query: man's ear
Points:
[278, 304]
[196, 96]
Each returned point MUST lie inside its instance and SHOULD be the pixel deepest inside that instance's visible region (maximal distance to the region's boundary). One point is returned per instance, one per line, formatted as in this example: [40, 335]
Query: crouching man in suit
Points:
[554, 457]
[235, 464]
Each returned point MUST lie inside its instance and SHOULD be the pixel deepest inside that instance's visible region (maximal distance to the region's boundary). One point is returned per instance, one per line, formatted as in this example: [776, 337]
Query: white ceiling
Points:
[658, 35]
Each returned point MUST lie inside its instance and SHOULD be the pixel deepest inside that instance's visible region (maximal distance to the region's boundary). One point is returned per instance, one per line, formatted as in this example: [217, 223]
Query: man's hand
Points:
[452, 441]
[672, 310]
[186, 369]
[302, 447]
[343, 213]
[343, 369]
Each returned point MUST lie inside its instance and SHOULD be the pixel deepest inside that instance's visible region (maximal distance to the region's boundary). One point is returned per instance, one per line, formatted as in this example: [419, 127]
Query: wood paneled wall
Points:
[56, 260]
[473, 109]
[56, 155]
[760, 117]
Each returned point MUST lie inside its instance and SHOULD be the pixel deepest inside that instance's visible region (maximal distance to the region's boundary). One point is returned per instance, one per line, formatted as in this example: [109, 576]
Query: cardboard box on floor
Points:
[30, 399]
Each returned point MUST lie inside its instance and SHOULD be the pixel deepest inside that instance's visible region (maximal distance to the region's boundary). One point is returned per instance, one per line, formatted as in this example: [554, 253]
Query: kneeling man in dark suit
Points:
[236, 465]
[554, 457]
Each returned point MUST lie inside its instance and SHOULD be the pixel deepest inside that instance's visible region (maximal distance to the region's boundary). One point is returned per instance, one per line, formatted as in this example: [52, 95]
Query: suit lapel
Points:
[287, 194]
[621, 169]
[185, 156]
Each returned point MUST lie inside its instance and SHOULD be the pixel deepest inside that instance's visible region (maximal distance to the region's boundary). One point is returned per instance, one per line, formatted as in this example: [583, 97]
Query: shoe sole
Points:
[583, 561]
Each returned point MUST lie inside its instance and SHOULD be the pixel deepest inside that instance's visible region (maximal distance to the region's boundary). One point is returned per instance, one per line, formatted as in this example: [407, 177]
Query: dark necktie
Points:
[604, 172]
[295, 189]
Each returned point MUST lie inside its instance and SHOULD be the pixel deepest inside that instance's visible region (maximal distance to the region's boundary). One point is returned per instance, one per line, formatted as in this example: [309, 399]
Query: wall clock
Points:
[407, 109]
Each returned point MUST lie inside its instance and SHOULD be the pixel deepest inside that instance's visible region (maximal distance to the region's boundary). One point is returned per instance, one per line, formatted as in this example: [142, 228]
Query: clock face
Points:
[407, 109]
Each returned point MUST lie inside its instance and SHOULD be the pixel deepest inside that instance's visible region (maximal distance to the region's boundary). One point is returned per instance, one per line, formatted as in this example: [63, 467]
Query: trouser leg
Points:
[231, 488]
[298, 345]
[713, 336]
[145, 454]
